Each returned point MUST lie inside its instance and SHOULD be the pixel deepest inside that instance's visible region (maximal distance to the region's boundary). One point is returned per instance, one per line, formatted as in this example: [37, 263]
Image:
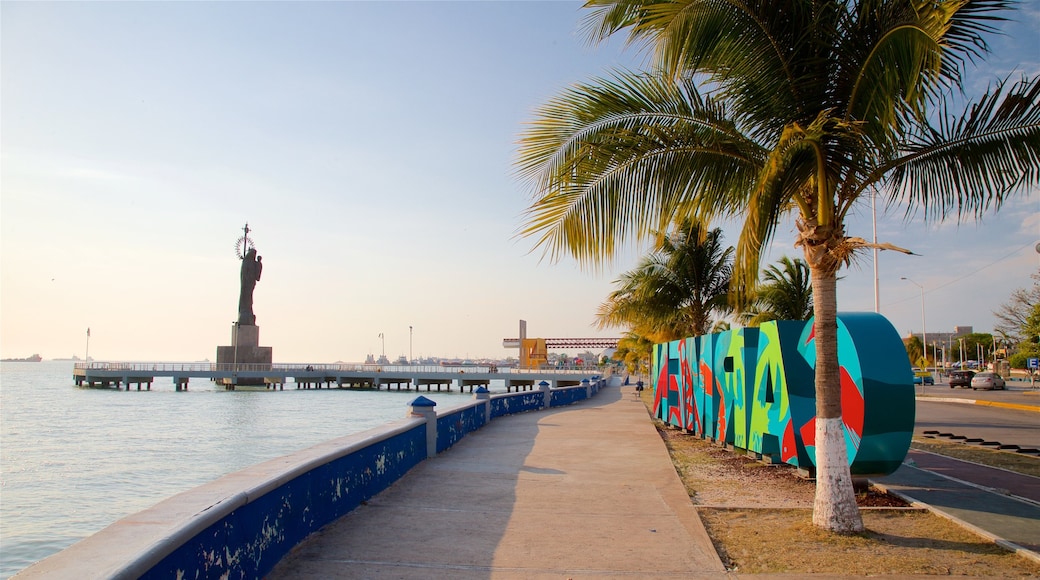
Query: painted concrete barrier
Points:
[754, 389]
[242, 524]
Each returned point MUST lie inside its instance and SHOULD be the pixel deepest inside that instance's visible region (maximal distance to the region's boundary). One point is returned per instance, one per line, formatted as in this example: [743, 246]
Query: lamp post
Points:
[924, 328]
[935, 355]
[86, 355]
[383, 339]
[877, 280]
[234, 332]
[409, 344]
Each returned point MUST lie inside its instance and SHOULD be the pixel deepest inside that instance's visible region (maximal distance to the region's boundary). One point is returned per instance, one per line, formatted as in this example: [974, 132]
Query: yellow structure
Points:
[533, 354]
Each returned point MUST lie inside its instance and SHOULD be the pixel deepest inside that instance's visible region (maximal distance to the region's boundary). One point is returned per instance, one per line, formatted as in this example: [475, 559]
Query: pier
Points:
[309, 376]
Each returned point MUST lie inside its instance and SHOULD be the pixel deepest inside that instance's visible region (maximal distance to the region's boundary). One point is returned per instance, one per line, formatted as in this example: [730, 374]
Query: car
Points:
[961, 378]
[921, 376]
[987, 380]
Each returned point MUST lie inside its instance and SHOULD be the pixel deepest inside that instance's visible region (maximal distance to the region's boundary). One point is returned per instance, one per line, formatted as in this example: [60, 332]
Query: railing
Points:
[205, 367]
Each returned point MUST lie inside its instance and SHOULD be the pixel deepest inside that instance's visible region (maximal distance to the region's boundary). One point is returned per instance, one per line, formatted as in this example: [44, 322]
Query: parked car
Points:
[987, 380]
[961, 378]
[922, 376]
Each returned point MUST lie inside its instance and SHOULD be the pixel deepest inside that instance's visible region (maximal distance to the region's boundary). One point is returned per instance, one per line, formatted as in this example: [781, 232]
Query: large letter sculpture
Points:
[754, 389]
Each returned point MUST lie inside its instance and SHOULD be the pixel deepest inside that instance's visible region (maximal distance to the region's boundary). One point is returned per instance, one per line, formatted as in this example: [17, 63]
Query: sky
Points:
[370, 146]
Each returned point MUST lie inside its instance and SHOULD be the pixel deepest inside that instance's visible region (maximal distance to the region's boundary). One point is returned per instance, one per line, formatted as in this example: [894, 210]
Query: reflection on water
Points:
[74, 460]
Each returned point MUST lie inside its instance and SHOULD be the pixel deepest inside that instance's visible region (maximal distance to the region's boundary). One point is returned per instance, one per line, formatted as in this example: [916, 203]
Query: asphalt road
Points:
[1006, 425]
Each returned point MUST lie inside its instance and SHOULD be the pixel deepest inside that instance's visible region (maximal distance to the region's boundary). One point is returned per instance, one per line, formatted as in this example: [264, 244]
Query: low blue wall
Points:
[242, 524]
[502, 405]
[567, 396]
[252, 538]
[456, 424]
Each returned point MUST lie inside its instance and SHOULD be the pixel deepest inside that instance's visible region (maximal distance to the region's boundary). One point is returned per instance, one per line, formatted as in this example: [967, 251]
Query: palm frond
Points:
[970, 164]
[614, 159]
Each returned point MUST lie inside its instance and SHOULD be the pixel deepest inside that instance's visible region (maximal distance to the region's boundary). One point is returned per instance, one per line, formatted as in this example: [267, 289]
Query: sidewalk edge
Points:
[1006, 544]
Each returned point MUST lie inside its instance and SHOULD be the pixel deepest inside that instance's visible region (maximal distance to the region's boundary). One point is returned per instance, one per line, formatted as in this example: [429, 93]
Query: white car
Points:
[987, 380]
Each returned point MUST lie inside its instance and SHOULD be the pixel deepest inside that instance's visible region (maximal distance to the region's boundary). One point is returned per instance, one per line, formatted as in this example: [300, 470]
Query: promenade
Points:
[585, 491]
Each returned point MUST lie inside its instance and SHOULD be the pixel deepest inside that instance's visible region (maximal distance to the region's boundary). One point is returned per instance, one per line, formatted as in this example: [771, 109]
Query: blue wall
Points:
[253, 538]
[455, 425]
[566, 396]
[502, 405]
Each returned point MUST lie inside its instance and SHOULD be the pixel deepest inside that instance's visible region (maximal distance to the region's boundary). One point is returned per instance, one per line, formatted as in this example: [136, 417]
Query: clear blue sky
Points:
[369, 145]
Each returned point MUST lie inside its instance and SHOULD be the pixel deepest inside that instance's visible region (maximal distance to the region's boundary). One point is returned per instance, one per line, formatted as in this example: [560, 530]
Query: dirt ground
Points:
[760, 519]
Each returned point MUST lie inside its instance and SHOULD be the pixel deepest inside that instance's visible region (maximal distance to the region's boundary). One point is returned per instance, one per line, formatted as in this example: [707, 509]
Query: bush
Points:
[1018, 360]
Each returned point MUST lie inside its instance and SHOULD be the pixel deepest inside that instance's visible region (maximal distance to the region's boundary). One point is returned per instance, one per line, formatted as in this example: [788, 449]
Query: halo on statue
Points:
[242, 246]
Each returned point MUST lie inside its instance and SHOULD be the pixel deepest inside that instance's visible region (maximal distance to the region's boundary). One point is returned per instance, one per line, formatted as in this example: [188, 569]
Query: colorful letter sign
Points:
[754, 389]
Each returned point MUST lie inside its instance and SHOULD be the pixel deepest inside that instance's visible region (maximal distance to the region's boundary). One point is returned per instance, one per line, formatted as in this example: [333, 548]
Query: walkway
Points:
[589, 491]
[580, 491]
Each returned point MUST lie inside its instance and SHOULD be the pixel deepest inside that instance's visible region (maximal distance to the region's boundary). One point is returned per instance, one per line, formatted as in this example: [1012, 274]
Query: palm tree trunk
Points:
[835, 505]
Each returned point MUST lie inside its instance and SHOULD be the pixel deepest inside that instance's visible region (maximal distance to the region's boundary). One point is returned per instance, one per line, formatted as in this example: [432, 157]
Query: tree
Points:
[914, 350]
[678, 290]
[786, 294]
[635, 350]
[971, 343]
[1013, 315]
[1030, 345]
[768, 110]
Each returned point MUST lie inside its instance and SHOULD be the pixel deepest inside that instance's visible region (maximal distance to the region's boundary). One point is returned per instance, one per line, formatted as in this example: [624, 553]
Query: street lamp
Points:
[409, 344]
[234, 339]
[924, 328]
[877, 280]
[382, 338]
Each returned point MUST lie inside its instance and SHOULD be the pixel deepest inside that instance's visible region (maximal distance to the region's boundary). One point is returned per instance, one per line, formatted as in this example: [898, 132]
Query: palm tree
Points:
[915, 350]
[634, 350]
[678, 290]
[806, 106]
[786, 294]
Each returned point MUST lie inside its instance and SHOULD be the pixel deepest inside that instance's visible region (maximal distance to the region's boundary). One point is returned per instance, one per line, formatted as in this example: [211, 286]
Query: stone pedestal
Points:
[245, 353]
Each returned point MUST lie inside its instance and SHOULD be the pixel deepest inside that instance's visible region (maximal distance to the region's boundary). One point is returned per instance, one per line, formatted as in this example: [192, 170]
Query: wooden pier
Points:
[275, 376]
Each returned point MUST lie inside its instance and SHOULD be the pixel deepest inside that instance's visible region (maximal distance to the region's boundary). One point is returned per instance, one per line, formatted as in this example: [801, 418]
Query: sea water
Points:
[74, 460]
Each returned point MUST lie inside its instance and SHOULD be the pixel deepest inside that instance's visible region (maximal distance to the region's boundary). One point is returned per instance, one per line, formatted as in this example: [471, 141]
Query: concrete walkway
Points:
[589, 491]
[581, 491]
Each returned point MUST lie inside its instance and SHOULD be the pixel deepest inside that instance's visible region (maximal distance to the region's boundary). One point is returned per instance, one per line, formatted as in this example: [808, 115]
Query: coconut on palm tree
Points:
[786, 109]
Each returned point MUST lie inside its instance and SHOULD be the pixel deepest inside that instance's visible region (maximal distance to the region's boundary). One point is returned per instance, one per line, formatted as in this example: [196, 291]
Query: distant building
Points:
[940, 339]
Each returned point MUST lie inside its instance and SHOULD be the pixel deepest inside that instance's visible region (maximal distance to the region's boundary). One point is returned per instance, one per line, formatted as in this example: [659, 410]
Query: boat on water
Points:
[33, 358]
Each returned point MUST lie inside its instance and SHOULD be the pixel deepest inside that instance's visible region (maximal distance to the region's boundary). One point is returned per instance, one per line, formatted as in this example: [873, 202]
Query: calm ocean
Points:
[73, 460]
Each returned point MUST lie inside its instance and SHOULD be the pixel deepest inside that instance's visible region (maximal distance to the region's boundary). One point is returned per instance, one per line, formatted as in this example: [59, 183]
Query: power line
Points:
[968, 275]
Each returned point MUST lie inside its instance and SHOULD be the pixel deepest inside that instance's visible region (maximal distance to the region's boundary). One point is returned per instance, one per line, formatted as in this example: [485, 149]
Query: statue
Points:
[252, 265]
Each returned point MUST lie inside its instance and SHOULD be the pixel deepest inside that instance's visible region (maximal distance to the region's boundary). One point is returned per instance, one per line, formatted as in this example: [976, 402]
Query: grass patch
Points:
[896, 542]
[759, 518]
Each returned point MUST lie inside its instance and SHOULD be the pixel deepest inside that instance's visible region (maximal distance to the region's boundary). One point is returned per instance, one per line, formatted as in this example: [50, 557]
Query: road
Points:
[1007, 425]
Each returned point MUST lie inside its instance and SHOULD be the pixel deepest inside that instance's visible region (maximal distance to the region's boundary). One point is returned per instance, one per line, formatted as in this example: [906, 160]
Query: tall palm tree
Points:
[786, 293]
[806, 106]
[679, 290]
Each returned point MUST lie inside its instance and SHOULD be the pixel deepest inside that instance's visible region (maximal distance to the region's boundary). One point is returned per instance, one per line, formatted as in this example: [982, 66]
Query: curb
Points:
[1007, 545]
[1018, 406]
